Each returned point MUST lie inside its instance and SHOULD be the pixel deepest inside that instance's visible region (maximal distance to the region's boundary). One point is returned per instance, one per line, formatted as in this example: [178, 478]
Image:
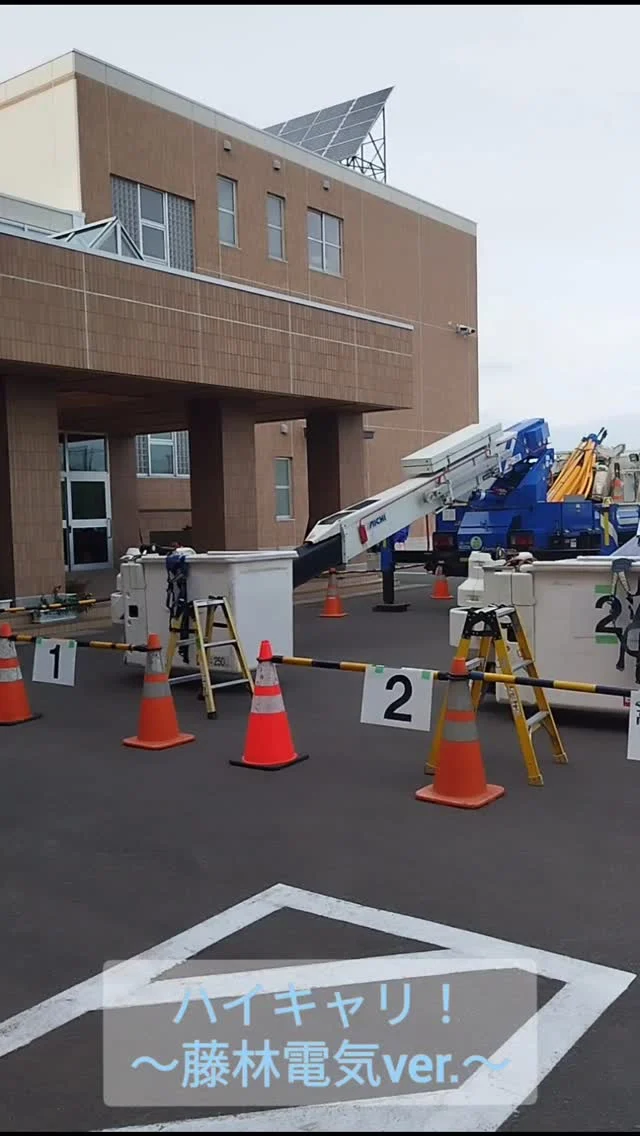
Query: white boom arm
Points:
[437, 476]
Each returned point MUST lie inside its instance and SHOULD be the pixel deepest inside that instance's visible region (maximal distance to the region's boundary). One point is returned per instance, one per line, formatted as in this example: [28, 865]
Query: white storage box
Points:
[568, 632]
[257, 585]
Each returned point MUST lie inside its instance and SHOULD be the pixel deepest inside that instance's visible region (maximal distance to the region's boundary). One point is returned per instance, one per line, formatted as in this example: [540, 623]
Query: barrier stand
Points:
[95, 644]
[50, 607]
[492, 626]
[444, 676]
[14, 703]
[480, 679]
[476, 676]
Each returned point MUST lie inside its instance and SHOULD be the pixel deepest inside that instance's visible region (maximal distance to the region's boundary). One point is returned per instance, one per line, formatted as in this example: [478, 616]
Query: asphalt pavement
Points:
[107, 851]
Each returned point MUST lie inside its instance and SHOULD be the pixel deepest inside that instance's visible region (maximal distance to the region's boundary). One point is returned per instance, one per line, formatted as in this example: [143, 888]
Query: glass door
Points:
[86, 503]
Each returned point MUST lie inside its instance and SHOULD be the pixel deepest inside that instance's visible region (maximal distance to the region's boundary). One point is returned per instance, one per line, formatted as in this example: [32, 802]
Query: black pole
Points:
[388, 586]
[388, 572]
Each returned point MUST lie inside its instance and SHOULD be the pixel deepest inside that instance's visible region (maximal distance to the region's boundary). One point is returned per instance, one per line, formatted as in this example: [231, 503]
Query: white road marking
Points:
[302, 976]
[588, 991]
[25, 1027]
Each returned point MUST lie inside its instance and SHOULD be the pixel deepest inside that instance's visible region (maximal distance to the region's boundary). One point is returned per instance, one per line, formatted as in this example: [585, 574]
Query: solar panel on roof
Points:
[304, 120]
[376, 97]
[365, 114]
[339, 152]
[319, 144]
[333, 111]
[335, 132]
[295, 136]
[324, 126]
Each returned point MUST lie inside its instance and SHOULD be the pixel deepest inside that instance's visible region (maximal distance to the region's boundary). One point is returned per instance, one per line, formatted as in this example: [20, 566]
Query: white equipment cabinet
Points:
[257, 585]
[556, 602]
[566, 643]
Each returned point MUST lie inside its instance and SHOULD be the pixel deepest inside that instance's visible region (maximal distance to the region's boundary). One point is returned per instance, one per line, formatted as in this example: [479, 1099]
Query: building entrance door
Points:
[86, 502]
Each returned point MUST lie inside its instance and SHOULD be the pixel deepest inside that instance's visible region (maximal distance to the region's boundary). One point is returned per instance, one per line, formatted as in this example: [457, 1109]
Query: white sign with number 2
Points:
[400, 698]
[54, 660]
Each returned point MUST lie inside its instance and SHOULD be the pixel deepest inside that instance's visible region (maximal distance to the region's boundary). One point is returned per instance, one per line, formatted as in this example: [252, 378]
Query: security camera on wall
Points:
[463, 329]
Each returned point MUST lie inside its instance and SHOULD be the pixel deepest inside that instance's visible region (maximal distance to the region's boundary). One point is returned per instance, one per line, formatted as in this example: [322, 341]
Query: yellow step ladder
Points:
[202, 621]
[496, 627]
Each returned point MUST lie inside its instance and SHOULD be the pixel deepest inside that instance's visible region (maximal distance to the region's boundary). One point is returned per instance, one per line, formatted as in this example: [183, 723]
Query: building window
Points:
[163, 455]
[324, 237]
[23, 227]
[159, 223]
[153, 224]
[86, 454]
[284, 505]
[227, 211]
[275, 226]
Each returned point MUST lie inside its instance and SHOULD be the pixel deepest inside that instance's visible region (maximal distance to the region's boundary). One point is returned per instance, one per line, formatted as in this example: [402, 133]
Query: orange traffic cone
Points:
[268, 744]
[460, 778]
[14, 703]
[158, 723]
[333, 608]
[440, 590]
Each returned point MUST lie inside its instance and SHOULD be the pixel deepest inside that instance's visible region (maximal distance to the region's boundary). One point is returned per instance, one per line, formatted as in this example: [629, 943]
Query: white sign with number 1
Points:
[400, 698]
[54, 660]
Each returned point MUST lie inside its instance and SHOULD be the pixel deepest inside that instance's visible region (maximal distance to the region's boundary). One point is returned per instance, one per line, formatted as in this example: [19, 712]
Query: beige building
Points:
[252, 336]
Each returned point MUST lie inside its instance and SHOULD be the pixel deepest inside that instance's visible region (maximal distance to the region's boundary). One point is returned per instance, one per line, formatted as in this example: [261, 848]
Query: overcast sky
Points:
[524, 118]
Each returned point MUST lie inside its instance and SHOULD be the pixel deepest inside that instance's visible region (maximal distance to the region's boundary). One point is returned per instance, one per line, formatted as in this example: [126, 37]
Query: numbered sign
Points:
[400, 698]
[54, 660]
[633, 737]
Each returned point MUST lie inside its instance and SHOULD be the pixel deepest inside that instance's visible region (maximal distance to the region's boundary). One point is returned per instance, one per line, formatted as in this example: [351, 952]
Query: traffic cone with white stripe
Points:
[440, 590]
[14, 703]
[460, 778]
[333, 608]
[268, 744]
[158, 722]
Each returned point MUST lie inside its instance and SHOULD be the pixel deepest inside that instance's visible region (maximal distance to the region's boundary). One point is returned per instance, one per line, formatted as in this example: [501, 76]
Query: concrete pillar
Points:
[125, 526]
[31, 548]
[335, 462]
[223, 475]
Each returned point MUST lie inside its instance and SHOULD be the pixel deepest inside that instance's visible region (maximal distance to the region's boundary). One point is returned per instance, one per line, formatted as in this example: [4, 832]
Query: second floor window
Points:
[160, 224]
[324, 238]
[227, 211]
[163, 455]
[153, 224]
[275, 227]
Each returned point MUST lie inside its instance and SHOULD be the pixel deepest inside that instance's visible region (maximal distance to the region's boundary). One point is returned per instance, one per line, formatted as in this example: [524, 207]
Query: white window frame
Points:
[151, 440]
[233, 212]
[25, 227]
[324, 243]
[289, 488]
[277, 228]
[164, 227]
